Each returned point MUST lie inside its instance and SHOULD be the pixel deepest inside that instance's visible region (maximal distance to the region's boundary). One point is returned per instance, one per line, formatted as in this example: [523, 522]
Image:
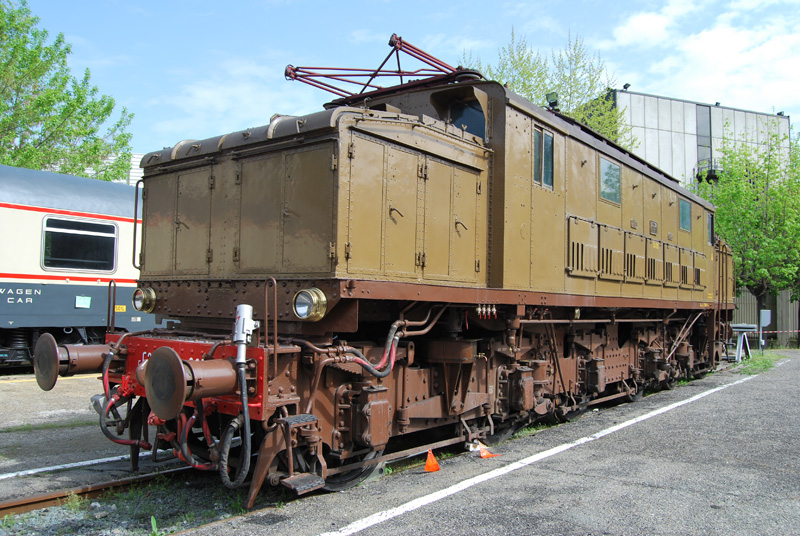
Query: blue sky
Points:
[196, 69]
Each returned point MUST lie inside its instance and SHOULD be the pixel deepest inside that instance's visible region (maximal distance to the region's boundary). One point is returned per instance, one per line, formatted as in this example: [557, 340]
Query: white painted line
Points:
[75, 465]
[425, 500]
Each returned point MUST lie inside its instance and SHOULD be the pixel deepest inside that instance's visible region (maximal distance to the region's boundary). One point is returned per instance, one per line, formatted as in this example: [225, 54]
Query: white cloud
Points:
[650, 29]
[230, 96]
[751, 67]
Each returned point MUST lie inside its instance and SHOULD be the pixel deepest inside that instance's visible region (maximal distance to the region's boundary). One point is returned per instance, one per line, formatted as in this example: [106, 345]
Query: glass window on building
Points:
[686, 215]
[703, 137]
[609, 181]
[78, 245]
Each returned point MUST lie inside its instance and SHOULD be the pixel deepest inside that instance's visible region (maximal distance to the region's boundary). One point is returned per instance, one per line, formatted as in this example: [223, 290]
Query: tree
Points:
[757, 195]
[49, 119]
[579, 78]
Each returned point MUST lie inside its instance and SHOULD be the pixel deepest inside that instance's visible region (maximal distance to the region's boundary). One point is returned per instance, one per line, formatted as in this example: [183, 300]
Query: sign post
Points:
[764, 320]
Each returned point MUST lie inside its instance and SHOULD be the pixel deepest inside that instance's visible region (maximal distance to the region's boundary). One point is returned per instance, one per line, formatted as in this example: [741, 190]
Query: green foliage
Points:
[8, 521]
[759, 363]
[75, 502]
[758, 212]
[153, 526]
[49, 119]
[579, 78]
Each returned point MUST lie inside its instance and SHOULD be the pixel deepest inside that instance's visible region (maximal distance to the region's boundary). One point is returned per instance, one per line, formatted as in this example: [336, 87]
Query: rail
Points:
[57, 498]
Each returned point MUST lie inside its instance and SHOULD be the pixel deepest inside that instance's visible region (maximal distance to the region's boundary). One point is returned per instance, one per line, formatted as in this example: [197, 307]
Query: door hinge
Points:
[422, 171]
[209, 254]
[334, 162]
[421, 259]
[331, 250]
[477, 265]
[144, 194]
[238, 178]
[347, 250]
[211, 182]
[236, 255]
[351, 151]
[478, 187]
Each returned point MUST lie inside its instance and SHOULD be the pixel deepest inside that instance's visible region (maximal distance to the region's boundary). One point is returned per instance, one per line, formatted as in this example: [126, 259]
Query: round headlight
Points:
[144, 299]
[310, 304]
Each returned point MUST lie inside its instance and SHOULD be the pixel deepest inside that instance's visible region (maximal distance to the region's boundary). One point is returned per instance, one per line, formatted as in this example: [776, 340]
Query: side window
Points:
[686, 215]
[710, 229]
[609, 181]
[78, 245]
[543, 158]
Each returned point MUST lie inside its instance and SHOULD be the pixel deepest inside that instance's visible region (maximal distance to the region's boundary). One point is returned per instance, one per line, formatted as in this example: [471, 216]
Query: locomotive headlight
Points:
[144, 299]
[310, 304]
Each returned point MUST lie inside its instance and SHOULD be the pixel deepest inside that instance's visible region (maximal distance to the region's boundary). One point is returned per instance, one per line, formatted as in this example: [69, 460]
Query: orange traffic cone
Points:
[484, 453]
[431, 464]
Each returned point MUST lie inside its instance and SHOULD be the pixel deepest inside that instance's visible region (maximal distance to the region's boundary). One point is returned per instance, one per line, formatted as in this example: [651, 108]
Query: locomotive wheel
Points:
[570, 413]
[343, 481]
[635, 397]
[504, 431]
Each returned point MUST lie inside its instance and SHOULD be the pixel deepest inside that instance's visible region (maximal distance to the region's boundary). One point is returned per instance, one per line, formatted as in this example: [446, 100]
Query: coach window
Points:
[543, 158]
[78, 245]
[609, 181]
[686, 215]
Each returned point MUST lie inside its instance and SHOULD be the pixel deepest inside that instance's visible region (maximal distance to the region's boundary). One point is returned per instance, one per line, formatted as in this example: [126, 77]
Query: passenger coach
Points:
[63, 240]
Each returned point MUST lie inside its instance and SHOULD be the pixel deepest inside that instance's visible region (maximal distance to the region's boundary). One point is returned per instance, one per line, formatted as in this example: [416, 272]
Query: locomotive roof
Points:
[590, 137]
[281, 126]
[57, 191]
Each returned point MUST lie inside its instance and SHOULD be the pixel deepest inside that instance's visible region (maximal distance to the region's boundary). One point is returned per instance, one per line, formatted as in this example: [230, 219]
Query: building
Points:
[684, 138]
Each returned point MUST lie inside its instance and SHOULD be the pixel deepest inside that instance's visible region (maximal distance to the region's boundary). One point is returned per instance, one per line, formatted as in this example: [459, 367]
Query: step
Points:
[302, 483]
[298, 420]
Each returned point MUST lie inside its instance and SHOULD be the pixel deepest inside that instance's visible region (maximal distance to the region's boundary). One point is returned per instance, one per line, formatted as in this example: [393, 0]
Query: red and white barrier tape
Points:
[784, 331]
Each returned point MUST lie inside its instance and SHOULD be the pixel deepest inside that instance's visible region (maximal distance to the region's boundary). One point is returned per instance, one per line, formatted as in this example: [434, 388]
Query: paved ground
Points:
[725, 463]
[42, 429]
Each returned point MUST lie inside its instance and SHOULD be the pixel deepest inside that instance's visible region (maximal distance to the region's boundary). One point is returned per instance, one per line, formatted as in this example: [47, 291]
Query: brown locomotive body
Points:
[440, 263]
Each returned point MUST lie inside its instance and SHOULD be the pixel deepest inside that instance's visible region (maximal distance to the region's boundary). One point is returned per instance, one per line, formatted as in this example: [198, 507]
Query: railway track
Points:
[56, 498]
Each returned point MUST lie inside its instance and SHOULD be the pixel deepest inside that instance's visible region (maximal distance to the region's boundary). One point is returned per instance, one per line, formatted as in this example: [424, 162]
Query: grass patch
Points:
[75, 502]
[7, 522]
[530, 430]
[759, 363]
[49, 426]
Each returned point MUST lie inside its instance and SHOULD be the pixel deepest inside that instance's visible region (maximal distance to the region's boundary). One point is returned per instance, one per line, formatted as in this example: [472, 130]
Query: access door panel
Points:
[260, 234]
[158, 241]
[366, 206]
[192, 222]
[402, 185]
[308, 210]
[465, 225]
[439, 219]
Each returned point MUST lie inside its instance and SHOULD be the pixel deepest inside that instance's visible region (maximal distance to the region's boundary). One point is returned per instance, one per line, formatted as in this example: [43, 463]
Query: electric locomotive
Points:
[414, 266]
